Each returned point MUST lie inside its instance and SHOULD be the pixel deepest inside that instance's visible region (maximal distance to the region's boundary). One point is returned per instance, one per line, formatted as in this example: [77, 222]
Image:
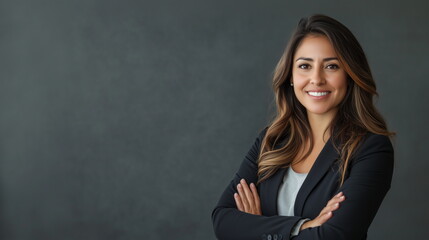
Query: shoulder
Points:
[259, 139]
[372, 142]
[279, 140]
[253, 153]
[262, 133]
[376, 148]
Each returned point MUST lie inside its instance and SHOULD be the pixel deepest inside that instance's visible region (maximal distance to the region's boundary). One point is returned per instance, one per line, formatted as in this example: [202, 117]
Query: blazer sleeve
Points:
[368, 182]
[230, 223]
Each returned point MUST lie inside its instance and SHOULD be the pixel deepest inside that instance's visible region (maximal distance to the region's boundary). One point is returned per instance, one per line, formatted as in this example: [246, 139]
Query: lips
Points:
[318, 93]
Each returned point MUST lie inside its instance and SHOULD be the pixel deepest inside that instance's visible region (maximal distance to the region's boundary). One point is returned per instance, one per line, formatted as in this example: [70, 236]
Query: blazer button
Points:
[280, 237]
[264, 237]
[269, 237]
[275, 237]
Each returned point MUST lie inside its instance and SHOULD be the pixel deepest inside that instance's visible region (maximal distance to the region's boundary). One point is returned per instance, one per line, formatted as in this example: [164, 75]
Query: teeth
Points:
[318, 94]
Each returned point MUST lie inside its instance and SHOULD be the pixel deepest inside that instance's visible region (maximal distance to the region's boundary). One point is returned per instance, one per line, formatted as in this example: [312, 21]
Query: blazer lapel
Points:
[269, 192]
[270, 187]
[325, 159]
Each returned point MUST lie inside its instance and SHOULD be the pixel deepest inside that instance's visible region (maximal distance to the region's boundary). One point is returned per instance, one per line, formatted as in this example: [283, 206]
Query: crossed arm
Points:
[247, 200]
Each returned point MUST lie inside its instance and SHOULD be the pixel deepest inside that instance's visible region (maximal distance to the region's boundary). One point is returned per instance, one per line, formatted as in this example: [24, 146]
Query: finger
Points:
[334, 207]
[336, 201]
[330, 208]
[337, 198]
[323, 218]
[256, 198]
[238, 202]
[248, 193]
[339, 194]
[243, 198]
[333, 204]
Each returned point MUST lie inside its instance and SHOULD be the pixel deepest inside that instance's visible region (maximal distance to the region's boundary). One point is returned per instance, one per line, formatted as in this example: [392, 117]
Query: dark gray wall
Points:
[126, 119]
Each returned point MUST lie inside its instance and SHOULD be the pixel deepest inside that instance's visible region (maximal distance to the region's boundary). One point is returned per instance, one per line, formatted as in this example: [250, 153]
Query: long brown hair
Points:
[356, 114]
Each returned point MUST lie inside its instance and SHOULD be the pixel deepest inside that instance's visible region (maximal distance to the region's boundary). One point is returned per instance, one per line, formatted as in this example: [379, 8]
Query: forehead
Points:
[315, 47]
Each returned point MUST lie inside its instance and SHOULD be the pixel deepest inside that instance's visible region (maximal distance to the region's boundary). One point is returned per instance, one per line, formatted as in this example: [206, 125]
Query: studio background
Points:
[127, 119]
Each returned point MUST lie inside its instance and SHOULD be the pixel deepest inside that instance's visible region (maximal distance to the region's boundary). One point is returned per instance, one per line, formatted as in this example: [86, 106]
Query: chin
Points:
[319, 111]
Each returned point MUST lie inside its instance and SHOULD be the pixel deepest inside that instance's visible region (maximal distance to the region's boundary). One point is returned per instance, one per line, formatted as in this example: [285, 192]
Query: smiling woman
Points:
[322, 167]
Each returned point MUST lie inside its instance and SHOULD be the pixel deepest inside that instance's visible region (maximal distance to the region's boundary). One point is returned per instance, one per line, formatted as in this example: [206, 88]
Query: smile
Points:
[318, 94]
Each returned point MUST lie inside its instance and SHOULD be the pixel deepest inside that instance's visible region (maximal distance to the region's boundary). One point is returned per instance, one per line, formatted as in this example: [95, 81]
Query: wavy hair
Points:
[356, 114]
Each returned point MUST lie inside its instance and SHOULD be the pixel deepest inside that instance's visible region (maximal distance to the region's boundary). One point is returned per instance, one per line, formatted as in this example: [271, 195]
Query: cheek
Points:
[299, 81]
[341, 86]
[339, 80]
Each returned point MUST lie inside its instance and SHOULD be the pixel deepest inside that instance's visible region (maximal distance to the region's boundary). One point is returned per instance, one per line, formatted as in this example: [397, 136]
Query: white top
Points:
[289, 188]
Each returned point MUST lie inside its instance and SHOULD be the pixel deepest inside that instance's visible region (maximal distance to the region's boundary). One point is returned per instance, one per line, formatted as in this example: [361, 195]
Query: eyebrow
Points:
[311, 60]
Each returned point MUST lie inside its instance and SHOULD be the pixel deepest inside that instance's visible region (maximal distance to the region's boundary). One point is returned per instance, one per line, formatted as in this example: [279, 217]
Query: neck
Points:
[319, 123]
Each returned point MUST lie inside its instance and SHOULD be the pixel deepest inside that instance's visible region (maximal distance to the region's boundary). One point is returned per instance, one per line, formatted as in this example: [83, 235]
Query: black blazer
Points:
[368, 180]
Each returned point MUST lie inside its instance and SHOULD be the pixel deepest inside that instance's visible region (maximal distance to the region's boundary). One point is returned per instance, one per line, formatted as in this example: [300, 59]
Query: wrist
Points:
[306, 224]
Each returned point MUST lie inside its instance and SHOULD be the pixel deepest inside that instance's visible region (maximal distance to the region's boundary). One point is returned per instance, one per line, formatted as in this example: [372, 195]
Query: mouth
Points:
[318, 93]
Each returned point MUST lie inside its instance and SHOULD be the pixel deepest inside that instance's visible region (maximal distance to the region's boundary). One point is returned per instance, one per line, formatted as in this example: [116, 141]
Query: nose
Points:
[317, 77]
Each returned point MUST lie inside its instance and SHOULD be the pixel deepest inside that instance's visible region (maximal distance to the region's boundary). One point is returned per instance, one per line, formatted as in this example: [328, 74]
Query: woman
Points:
[322, 167]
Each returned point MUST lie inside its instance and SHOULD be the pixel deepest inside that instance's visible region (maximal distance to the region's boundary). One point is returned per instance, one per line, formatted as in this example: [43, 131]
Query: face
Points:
[319, 81]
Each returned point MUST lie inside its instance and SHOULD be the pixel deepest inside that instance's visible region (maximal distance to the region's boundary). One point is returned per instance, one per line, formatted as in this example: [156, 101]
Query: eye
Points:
[332, 66]
[304, 66]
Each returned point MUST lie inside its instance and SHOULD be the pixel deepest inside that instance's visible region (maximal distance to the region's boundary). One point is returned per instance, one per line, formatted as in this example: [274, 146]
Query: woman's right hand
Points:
[326, 212]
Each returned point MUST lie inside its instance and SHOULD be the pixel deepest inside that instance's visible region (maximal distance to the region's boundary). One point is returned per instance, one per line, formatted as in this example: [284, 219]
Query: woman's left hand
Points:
[247, 198]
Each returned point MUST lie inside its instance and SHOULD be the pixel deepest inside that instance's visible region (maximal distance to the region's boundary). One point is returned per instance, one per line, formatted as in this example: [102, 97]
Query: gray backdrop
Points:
[126, 119]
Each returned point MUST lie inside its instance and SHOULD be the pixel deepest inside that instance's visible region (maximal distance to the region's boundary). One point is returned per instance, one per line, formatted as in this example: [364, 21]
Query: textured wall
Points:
[126, 119]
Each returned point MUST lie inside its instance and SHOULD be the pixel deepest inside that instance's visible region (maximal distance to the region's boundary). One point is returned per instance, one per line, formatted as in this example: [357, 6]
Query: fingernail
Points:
[242, 180]
[252, 185]
[239, 185]
[342, 197]
[329, 213]
[339, 193]
[336, 204]
[235, 195]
